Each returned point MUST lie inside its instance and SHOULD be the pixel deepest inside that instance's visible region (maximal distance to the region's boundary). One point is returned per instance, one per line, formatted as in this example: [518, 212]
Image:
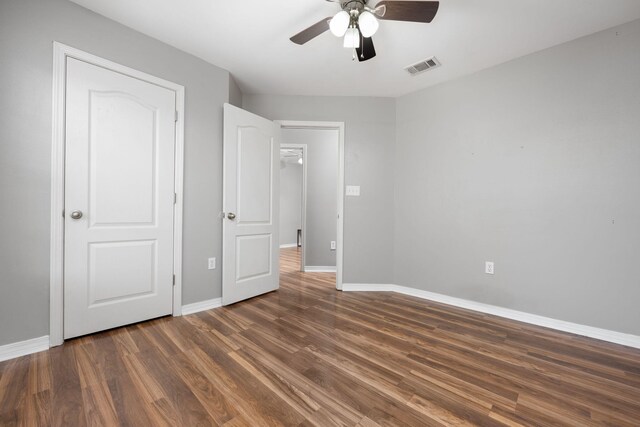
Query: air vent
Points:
[423, 66]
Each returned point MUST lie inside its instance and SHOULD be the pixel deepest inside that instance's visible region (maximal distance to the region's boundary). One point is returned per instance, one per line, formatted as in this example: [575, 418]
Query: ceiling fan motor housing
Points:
[353, 5]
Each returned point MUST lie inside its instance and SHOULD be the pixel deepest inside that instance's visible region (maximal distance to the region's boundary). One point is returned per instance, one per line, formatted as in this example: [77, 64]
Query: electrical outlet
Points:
[212, 263]
[488, 267]
[333, 245]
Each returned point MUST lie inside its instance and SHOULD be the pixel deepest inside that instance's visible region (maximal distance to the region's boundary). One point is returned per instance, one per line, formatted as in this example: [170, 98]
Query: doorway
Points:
[293, 192]
[311, 198]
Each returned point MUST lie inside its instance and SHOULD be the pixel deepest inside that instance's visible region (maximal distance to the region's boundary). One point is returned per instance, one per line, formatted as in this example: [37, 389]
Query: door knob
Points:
[76, 214]
[231, 216]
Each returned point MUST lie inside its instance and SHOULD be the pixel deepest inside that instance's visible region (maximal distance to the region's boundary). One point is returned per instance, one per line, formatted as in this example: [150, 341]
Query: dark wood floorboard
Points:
[308, 355]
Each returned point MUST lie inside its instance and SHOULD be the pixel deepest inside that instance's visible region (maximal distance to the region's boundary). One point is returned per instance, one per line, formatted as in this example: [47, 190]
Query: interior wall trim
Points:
[36, 345]
[319, 269]
[288, 245]
[23, 348]
[534, 319]
[201, 306]
[340, 127]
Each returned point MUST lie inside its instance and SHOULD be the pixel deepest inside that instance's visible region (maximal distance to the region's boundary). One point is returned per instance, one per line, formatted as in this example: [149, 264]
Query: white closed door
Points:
[119, 199]
[251, 179]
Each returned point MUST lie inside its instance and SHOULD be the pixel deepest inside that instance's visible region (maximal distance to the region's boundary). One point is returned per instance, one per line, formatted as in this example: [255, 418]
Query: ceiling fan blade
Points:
[366, 51]
[313, 31]
[413, 11]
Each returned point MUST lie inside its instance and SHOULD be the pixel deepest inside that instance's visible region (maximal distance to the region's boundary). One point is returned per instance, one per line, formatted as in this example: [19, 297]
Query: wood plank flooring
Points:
[309, 355]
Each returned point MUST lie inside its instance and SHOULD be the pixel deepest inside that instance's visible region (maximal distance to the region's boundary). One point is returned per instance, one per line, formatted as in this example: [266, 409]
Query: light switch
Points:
[353, 190]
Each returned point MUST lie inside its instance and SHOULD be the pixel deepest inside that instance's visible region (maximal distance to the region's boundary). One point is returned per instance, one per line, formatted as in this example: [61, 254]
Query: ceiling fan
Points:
[357, 22]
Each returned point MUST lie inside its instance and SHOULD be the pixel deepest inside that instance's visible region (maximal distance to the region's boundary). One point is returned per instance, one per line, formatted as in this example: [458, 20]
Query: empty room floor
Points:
[309, 355]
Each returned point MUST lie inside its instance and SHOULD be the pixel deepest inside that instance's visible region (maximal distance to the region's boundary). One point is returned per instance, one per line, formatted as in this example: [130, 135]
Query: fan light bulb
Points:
[368, 24]
[339, 23]
[352, 38]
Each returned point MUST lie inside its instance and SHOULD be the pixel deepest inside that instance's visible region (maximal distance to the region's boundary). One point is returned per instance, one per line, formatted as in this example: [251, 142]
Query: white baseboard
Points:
[201, 306]
[367, 287]
[319, 269]
[534, 319]
[288, 245]
[35, 345]
[22, 348]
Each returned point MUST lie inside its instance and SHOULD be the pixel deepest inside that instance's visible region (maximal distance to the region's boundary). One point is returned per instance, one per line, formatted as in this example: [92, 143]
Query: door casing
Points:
[56, 296]
[293, 124]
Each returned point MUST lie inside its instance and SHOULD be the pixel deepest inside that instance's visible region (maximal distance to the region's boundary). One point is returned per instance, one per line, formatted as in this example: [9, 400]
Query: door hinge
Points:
[175, 198]
[62, 213]
[174, 280]
[176, 116]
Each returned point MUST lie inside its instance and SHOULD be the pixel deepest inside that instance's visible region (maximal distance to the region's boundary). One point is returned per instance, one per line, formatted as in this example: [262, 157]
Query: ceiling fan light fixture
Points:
[352, 38]
[368, 24]
[339, 23]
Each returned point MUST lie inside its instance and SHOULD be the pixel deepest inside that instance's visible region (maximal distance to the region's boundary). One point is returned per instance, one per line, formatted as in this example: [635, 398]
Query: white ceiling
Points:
[251, 39]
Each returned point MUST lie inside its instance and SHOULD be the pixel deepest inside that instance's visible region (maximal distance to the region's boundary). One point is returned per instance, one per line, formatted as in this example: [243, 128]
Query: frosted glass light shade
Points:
[339, 23]
[352, 38]
[368, 24]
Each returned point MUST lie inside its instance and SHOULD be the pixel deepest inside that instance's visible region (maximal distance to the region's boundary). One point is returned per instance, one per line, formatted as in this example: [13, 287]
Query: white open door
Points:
[119, 199]
[250, 251]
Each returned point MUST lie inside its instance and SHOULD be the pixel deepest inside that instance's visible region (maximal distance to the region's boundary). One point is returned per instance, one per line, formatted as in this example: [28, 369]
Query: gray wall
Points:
[322, 192]
[535, 165]
[27, 30]
[235, 95]
[369, 142]
[290, 201]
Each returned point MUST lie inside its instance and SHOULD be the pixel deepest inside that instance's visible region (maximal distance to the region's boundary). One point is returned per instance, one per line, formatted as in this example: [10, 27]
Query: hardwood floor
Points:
[290, 262]
[309, 355]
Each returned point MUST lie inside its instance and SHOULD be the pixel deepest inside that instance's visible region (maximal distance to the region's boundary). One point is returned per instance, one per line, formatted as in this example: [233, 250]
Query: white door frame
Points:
[293, 124]
[303, 213]
[56, 296]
